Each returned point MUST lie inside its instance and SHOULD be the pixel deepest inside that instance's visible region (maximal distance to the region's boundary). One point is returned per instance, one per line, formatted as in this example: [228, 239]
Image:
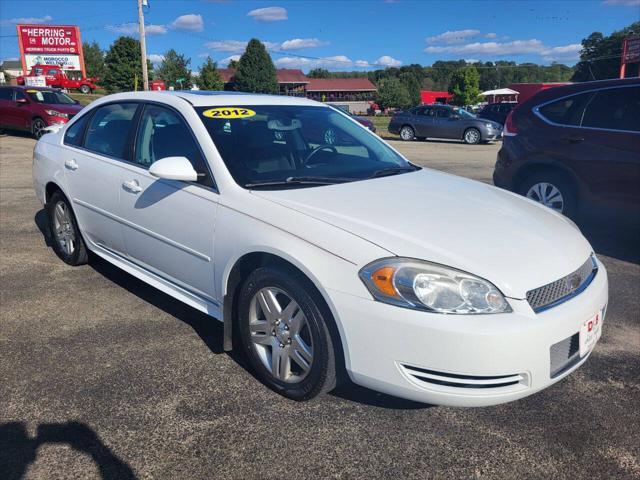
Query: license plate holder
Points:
[590, 333]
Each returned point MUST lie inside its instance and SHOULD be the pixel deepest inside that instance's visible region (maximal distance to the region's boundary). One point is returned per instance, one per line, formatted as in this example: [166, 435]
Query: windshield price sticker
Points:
[228, 112]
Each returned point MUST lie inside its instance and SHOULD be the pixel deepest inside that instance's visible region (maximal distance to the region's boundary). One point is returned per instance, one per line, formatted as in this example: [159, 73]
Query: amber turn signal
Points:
[383, 279]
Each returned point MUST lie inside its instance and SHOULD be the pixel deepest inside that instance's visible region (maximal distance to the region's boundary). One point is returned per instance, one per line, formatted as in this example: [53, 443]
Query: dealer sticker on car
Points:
[590, 333]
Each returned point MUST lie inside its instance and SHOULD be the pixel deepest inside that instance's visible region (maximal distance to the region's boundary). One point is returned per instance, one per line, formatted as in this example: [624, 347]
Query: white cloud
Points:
[567, 53]
[623, 3]
[188, 23]
[225, 61]
[27, 20]
[335, 62]
[132, 29]
[471, 60]
[268, 14]
[297, 43]
[517, 47]
[155, 58]
[453, 36]
[490, 35]
[231, 46]
[387, 61]
[361, 63]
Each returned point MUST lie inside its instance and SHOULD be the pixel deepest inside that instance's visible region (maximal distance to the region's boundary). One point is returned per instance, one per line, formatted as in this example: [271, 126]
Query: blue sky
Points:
[338, 35]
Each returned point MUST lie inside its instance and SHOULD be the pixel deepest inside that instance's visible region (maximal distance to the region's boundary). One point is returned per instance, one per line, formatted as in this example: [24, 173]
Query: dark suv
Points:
[576, 149]
[497, 111]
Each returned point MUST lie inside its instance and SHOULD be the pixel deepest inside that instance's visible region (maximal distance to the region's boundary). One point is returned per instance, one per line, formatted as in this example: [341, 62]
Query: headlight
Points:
[435, 288]
[55, 113]
[488, 125]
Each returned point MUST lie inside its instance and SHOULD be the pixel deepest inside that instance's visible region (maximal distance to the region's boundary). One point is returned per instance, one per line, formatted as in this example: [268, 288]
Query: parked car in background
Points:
[443, 121]
[576, 149]
[32, 109]
[361, 120]
[497, 111]
[324, 260]
[56, 77]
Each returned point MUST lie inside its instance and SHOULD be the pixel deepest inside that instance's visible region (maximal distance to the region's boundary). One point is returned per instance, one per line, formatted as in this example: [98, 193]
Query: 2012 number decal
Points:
[228, 112]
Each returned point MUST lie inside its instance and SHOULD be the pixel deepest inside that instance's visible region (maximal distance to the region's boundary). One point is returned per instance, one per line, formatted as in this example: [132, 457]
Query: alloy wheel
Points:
[547, 194]
[280, 335]
[406, 133]
[471, 136]
[330, 136]
[63, 228]
[38, 128]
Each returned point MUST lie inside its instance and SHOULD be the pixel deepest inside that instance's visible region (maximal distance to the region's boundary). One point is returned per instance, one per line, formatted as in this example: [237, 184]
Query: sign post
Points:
[58, 45]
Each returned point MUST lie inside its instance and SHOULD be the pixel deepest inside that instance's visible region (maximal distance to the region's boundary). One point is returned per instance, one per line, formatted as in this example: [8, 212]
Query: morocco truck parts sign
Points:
[58, 45]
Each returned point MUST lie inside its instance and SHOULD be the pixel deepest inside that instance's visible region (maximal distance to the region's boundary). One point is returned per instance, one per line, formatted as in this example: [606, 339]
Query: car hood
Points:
[513, 242]
[62, 108]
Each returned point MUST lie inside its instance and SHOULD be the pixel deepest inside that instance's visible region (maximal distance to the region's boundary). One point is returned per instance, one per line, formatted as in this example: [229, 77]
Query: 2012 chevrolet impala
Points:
[323, 250]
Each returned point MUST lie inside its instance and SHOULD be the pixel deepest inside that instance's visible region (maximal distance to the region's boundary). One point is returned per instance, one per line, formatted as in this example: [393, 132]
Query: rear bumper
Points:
[459, 360]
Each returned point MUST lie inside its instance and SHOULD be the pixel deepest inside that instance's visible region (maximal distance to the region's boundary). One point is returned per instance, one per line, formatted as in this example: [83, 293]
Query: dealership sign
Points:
[51, 45]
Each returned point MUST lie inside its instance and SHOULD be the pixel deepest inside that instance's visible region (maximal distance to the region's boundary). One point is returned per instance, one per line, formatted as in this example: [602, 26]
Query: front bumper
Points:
[461, 360]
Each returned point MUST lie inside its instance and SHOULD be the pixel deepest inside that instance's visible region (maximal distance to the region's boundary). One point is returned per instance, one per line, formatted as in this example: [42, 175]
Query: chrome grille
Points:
[556, 292]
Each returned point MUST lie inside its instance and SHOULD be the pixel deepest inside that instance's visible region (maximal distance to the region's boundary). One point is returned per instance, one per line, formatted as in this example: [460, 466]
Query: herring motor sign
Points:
[51, 45]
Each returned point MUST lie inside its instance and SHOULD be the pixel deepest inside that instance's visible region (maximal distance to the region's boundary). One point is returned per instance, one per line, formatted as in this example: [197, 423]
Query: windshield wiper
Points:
[300, 181]
[385, 172]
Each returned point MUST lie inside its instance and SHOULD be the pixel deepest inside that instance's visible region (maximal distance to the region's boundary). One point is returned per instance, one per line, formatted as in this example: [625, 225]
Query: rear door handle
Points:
[573, 138]
[133, 186]
[71, 164]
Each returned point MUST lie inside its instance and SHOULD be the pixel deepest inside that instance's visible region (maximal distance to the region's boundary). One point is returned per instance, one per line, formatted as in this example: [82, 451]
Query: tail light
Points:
[510, 128]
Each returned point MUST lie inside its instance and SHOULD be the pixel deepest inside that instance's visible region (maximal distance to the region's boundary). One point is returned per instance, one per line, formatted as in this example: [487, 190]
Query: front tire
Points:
[407, 133]
[67, 241]
[37, 128]
[284, 333]
[86, 89]
[472, 136]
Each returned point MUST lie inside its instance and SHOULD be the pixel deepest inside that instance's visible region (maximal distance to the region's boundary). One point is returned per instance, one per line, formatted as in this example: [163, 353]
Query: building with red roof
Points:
[291, 81]
[336, 89]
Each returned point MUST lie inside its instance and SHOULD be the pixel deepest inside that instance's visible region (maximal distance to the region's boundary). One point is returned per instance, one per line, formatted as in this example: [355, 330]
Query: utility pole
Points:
[143, 46]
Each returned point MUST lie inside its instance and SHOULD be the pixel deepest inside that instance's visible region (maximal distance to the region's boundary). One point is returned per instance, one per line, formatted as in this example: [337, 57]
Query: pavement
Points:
[104, 377]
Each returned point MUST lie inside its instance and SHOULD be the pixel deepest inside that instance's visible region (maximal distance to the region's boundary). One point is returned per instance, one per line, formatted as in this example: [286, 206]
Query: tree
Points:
[209, 76]
[93, 60]
[123, 65]
[256, 72]
[319, 73]
[465, 86]
[173, 67]
[600, 55]
[392, 94]
[412, 84]
[233, 64]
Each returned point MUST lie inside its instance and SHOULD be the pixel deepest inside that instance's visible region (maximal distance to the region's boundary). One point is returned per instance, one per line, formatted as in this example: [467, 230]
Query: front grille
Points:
[425, 376]
[561, 290]
[564, 354]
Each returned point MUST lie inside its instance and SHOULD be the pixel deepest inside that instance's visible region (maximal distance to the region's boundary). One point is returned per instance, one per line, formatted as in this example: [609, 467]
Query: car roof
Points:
[565, 90]
[207, 98]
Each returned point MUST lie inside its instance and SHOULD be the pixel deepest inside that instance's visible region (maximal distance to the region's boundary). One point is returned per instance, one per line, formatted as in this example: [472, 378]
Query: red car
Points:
[33, 109]
[57, 78]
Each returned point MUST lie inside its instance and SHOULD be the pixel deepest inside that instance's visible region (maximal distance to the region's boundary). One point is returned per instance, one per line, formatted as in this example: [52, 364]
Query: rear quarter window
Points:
[566, 111]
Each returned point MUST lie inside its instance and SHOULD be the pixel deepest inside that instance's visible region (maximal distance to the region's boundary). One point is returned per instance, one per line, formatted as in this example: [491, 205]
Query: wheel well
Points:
[407, 125]
[241, 270]
[530, 170]
[50, 189]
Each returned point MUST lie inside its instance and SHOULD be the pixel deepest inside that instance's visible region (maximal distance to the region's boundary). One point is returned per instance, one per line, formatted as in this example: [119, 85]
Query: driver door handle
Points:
[71, 164]
[132, 186]
[573, 138]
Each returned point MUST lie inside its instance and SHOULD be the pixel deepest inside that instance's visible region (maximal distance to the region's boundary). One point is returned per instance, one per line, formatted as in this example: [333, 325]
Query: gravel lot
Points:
[104, 377]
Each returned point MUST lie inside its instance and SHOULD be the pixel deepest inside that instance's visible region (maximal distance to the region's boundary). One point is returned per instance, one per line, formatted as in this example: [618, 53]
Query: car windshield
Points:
[48, 96]
[283, 146]
[463, 113]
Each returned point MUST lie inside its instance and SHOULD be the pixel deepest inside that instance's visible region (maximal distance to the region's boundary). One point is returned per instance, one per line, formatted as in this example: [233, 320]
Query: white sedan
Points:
[324, 251]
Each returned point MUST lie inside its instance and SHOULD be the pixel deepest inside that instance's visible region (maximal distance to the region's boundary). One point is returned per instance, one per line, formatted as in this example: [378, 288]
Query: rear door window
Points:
[75, 132]
[614, 109]
[566, 111]
[109, 129]
[6, 94]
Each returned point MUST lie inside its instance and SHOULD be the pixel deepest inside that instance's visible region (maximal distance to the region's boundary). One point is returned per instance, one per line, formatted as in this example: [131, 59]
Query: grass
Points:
[85, 99]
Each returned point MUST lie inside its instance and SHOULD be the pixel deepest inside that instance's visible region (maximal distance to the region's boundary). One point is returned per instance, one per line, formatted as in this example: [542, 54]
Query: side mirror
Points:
[174, 168]
[21, 100]
[455, 117]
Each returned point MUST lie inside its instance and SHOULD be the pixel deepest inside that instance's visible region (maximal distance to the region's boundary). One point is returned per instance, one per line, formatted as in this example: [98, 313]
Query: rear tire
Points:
[86, 89]
[66, 239]
[552, 189]
[284, 334]
[407, 133]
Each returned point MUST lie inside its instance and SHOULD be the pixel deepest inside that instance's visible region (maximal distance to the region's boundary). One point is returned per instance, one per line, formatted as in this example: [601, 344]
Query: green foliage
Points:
[233, 64]
[209, 78]
[319, 73]
[93, 60]
[392, 94]
[465, 86]
[256, 72]
[412, 84]
[123, 64]
[173, 67]
[600, 55]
